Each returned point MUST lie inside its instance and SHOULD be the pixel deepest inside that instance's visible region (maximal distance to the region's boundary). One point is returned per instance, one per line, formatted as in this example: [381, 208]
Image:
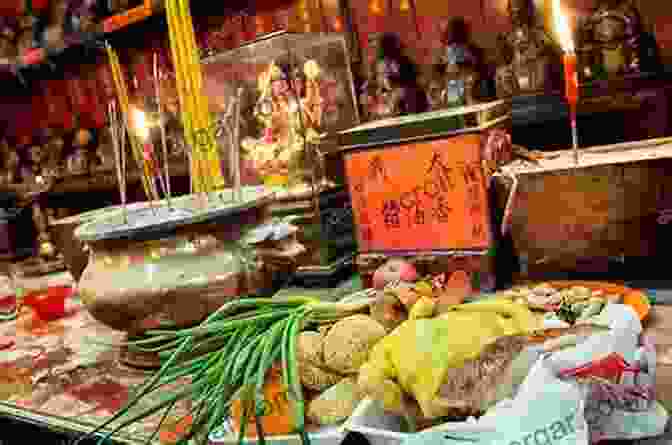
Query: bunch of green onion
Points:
[227, 357]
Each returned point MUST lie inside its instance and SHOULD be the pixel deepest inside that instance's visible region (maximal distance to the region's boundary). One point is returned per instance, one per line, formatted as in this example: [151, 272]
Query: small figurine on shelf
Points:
[279, 107]
[461, 62]
[104, 151]
[611, 40]
[532, 62]
[54, 146]
[10, 163]
[435, 87]
[81, 16]
[25, 38]
[78, 161]
[7, 36]
[35, 173]
[396, 85]
[54, 36]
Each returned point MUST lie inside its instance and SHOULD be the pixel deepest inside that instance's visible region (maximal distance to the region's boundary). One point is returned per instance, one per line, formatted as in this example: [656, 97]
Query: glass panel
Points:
[293, 88]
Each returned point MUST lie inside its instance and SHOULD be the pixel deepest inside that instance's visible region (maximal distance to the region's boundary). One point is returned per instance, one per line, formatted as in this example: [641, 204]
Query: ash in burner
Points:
[158, 217]
[150, 216]
[147, 218]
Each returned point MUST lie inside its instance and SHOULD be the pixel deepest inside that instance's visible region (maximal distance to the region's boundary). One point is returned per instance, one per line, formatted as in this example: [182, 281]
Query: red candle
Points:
[337, 24]
[571, 78]
[149, 151]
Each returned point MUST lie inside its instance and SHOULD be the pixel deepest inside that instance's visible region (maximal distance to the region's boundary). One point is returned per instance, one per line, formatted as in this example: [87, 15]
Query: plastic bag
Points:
[546, 411]
[622, 409]
[615, 370]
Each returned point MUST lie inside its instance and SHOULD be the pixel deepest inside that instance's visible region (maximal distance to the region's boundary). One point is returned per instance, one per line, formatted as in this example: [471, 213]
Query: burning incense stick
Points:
[162, 128]
[119, 156]
[236, 147]
[142, 131]
[228, 131]
[121, 133]
[124, 104]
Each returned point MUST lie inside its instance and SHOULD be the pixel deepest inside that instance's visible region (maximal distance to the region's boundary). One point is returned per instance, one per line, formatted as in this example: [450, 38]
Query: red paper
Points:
[142, 72]
[40, 5]
[39, 105]
[51, 107]
[249, 30]
[12, 8]
[77, 99]
[282, 18]
[420, 197]
[60, 95]
[105, 81]
[22, 123]
[95, 103]
[263, 24]
[87, 109]
[238, 29]
[663, 31]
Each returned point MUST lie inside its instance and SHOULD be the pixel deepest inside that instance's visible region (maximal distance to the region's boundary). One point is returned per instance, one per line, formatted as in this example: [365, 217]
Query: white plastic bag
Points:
[546, 411]
[628, 409]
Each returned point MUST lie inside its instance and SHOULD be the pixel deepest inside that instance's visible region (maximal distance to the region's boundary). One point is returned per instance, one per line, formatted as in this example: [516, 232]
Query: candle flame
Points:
[562, 28]
[140, 121]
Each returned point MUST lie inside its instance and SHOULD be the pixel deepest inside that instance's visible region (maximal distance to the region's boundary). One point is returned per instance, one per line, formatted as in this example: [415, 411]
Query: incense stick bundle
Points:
[162, 128]
[124, 103]
[196, 118]
[119, 154]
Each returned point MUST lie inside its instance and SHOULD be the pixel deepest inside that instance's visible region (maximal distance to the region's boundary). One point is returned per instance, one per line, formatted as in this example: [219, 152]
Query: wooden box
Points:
[417, 183]
[418, 191]
[615, 207]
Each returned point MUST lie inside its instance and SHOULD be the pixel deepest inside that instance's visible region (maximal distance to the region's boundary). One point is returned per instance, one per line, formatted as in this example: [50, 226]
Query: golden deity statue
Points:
[290, 112]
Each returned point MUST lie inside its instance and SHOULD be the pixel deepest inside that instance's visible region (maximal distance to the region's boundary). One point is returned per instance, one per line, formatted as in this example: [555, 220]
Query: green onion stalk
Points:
[225, 358]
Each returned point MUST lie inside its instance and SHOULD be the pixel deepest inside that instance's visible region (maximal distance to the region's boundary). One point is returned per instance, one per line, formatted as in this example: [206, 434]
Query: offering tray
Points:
[177, 264]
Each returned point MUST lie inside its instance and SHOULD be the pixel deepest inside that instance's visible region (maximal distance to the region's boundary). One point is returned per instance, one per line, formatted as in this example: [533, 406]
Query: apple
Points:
[395, 269]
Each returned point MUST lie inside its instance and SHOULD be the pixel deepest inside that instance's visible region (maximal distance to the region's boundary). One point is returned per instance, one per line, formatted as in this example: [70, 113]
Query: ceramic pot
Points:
[176, 265]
